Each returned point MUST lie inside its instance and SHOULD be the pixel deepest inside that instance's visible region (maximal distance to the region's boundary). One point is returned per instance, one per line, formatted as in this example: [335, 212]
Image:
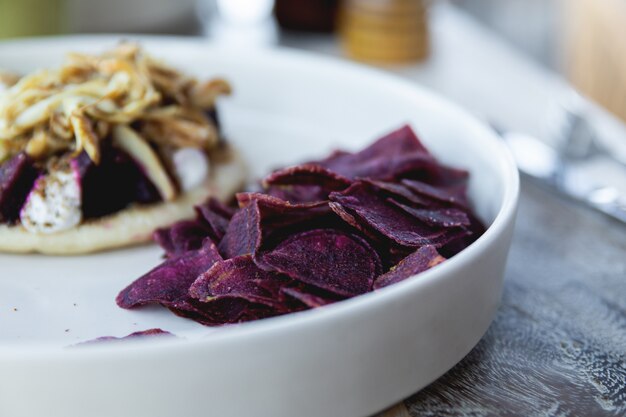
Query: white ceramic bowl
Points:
[349, 359]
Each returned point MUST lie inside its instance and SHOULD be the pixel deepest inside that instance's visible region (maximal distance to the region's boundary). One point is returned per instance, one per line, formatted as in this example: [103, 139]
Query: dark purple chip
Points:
[169, 282]
[238, 277]
[216, 313]
[397, 190]
[262, 218]
[184, 236]
[454, 195]
[298, 193]
[341, 263]
[442, 217]
[17, 177]
[216, 216]
[243, 235]
[475, 230]
[308, 299]
[372, 210]
[392, 156]
[135, 335]
[307, 174]
[419, 261]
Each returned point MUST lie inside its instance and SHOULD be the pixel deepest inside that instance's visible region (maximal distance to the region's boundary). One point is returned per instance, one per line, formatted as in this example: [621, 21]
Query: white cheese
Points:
[191, 166]
[53, 204]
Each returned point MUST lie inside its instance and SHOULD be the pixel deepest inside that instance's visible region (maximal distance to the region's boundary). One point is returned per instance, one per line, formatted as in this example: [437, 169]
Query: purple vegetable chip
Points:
[396, 190]
[135, 335]
[238, 277]
[216, 215]
[341, 263]
[442, 217]
[181, 237]
[304, 183]
[309, 299]
[169, 282]
[243, 235]
[298, 193]
[419, 261]
[308, 174]
[394, 155]
[371, 210]
[454, 195]
[216, 313]
[17, 177]
[475, 230]
[264, 219]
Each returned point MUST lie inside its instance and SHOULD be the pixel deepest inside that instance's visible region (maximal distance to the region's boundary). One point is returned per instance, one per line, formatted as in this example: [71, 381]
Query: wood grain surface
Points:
[557, 347]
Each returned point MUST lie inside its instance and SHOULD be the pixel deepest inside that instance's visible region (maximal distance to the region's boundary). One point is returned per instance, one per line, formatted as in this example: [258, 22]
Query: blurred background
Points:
[582, 40]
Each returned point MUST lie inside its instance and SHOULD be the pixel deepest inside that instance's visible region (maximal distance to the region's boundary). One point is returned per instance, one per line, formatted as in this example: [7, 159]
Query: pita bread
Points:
[133, 225]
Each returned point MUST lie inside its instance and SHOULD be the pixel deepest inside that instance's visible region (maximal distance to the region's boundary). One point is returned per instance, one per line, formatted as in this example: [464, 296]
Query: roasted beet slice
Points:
[238, 277]
[169, 282]
[338, 262]
[370, 210]
[419, 261]
[442, 217]
[113, 184]
[17, 177]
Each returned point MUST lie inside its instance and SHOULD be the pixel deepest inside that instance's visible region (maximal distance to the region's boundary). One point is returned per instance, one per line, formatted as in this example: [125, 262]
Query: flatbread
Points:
[133, 225]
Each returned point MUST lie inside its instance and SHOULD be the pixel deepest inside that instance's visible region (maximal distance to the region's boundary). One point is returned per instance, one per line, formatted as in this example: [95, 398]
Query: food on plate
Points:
[133, 336]
[317, 233]
[103, 150]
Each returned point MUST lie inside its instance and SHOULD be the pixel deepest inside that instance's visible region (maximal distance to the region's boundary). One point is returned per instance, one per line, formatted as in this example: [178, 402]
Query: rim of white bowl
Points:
[230, 334]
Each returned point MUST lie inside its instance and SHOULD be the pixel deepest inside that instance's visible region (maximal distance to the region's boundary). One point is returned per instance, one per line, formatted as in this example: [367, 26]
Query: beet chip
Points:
[397, 190]
[298, 193]
[308, 174]
[225, 310]
[243, 235]
[308, 299]
[216, 216]
[169, 282]
[134, 335]
[419, 261]
[443, 217]
[392, 156]
[335, 261]
[184, 236]
[369, 208]
[454, 195]
[236, 278]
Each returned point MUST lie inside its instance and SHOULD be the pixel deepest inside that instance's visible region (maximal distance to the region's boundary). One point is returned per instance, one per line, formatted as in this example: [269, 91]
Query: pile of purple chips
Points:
[319, 233]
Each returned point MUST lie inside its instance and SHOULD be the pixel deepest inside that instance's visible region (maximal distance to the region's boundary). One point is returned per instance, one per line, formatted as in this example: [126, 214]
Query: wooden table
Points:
[558, 344]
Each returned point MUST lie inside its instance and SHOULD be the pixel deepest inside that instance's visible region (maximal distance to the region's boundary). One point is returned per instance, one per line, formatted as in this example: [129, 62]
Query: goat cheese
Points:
[54, 203]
